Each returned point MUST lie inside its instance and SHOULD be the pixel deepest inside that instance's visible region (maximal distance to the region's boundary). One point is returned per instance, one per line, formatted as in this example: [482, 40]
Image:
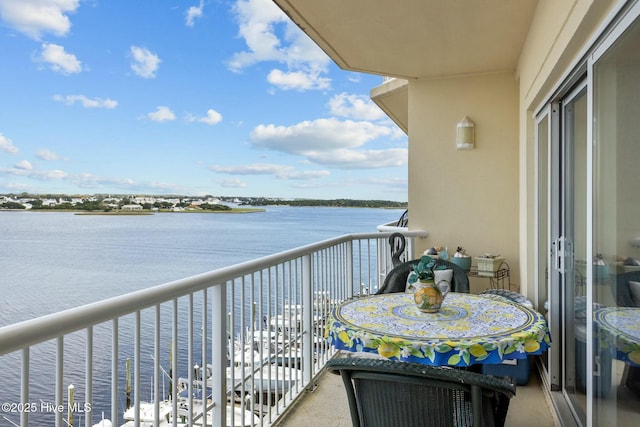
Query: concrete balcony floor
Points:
[327, 406]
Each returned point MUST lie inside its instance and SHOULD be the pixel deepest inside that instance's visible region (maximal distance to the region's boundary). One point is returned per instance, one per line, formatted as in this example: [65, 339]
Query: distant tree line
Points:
[86, 205]
[342, 203]
[100, 203]
[12, 205]
[214, 207]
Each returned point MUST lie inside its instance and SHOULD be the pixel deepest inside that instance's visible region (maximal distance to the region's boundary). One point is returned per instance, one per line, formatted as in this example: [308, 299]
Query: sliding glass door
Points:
[588, 231]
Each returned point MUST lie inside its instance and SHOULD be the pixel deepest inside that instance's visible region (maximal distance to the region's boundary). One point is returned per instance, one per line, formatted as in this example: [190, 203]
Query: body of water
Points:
[52, 261]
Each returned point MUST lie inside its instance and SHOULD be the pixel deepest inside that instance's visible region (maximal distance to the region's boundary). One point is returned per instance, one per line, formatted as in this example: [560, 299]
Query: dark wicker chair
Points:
[620, 288]
[384, 393]
[396, 280]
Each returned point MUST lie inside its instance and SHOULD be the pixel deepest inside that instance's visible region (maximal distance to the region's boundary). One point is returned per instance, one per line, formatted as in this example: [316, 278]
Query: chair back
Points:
[397, 243]
[384, 393]
[396, 280]
[621, 288]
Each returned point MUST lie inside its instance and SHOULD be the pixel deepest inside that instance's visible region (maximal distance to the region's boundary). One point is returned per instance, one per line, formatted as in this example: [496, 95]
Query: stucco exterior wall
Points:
[465, 197]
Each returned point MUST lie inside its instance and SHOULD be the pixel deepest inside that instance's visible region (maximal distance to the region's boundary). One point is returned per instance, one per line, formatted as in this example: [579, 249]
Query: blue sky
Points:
[187, 97]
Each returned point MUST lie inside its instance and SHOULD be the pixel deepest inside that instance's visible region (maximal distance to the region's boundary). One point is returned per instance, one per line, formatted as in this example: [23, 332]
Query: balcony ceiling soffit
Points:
[416, 38]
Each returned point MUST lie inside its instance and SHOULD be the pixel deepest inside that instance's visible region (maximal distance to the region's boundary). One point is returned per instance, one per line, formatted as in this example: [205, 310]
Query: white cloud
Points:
[24, 164]
[256, 20]
[252, 169]
[271, 36]
[232, 183]
[36, 17]
[7, 145]
[145, 64]
[89, 180]
[86, 102]
[361, 159]
[317, 135]
[212, 117]
[392, 182]
[45, 154]
[162, 114]
[331, 142]
[43, 175]
[306, 175]
[59, 60]
[272, 169]
[19, 188]
[193, 12]
[299, 80]
[355, 107]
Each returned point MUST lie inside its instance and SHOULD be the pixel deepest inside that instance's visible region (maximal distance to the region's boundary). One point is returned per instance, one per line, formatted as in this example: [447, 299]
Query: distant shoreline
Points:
[142, 213]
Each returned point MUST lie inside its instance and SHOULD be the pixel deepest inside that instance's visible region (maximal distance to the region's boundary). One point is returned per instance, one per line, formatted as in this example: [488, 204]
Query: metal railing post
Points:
[88, 392]
[114, 370]
[203, 359]
[156, 365]
[24, 389]
[59, 379]
[349, 265]
[136, 370]
[173, 364]
[218, 355]
[307, 319]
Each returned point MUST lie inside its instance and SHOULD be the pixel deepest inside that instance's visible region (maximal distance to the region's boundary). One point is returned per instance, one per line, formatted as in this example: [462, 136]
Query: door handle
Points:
[560, 248]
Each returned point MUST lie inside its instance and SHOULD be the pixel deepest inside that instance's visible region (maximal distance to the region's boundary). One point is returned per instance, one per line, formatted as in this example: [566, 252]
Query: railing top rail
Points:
[29, 332]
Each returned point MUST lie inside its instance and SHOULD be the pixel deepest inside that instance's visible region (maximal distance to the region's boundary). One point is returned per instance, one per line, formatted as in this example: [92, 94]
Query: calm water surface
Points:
[54, 261]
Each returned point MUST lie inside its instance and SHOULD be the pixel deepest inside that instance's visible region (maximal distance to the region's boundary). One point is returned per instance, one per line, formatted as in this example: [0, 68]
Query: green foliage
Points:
[92, 205]
[12, 205]
[424, 269]
[214, 207]
[342, 203]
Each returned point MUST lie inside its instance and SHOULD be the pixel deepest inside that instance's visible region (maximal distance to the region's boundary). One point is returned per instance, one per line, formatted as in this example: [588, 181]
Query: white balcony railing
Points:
[249, 336]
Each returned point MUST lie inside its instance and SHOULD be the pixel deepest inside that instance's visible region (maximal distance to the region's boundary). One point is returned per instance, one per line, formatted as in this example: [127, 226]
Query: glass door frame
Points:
[552, 370]
[566, 241]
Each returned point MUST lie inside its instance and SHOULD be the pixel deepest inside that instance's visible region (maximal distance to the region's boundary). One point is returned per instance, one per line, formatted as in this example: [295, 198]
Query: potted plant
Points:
[427, 295]
[462, 259]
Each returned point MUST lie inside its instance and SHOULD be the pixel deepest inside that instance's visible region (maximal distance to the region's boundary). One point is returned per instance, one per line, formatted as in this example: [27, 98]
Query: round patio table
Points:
[469, 329]
[619, 331]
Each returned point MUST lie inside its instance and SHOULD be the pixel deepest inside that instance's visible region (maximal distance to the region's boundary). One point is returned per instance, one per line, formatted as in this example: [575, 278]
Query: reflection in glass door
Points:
[616, 228]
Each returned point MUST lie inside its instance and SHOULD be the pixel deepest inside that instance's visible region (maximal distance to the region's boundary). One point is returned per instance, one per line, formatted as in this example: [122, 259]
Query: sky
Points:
[189, 97]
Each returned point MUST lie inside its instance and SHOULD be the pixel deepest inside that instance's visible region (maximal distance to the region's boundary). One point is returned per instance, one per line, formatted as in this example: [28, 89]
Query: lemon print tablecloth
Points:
[468, 329]
[619, 332]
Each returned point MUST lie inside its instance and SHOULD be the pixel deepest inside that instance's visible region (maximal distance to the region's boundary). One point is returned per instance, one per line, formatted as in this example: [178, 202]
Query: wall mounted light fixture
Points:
[465, 134]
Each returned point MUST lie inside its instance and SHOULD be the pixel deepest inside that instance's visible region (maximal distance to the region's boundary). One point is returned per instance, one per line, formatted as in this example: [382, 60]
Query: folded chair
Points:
[385, 393]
